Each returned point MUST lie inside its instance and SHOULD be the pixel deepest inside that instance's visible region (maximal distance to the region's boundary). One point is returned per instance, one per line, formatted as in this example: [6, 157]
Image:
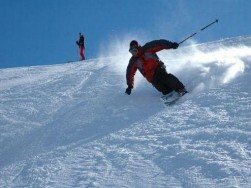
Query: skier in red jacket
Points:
[145, 59]
[81, 44]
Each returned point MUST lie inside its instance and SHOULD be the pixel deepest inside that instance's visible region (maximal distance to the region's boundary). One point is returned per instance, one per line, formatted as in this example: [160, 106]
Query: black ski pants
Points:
[165, 82]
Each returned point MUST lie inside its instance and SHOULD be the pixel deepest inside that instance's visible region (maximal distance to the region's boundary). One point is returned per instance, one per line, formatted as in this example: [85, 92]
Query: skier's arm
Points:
[130, 73]
[158, 45]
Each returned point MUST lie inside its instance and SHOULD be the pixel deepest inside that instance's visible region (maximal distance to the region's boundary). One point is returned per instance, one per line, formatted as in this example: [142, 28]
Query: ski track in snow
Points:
[71, 125]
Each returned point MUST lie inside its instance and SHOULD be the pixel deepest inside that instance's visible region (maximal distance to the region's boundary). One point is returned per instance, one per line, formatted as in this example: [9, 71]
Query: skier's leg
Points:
[169, 82]
[159, 84]
[82, 53]
[174, 82]
[161, 88]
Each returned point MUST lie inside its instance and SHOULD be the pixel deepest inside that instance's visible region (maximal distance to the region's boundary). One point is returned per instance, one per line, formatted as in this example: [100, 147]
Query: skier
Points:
[81, 44]
[151, 67]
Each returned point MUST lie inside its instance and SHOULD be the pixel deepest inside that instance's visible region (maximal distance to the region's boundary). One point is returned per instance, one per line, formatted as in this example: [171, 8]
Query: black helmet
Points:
[134, 44]
[134, 47]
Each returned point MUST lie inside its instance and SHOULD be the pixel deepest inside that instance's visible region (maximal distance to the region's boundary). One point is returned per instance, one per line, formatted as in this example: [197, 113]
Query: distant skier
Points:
[151, 67]
[81, 44]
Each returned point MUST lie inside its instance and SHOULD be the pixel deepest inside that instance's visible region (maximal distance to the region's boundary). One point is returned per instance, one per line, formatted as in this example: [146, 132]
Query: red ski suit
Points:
[147, 61]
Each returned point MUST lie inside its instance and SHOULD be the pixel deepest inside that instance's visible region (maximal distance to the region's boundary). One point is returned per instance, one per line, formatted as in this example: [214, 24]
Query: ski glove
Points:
[128, 90]
[175, 45]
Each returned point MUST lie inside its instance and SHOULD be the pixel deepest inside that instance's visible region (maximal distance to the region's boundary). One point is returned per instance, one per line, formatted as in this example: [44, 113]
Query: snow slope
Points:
[71, 125]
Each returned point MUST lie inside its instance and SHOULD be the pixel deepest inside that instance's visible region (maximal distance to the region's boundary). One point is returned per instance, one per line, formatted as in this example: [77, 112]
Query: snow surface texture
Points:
[71, 125]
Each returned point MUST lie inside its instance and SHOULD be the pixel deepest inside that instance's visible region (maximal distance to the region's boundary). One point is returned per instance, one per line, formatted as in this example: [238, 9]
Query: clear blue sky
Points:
[38, 32]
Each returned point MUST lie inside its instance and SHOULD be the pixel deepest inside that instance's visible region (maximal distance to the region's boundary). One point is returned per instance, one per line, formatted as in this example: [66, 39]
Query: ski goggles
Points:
[134, 50]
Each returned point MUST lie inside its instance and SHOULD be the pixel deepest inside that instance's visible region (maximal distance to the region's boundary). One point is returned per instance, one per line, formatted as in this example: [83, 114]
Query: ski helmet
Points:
[134, 47]
[134, 44]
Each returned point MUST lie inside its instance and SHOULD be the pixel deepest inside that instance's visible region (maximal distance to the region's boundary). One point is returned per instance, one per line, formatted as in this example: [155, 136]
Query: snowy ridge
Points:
[71, 125]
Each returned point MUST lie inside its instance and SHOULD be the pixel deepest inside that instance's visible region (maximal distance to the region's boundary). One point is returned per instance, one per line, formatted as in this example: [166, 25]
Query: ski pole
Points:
[216, 21]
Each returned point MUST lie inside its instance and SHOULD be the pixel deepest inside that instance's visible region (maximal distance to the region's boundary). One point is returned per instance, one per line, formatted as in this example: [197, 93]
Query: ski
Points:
[171, 98]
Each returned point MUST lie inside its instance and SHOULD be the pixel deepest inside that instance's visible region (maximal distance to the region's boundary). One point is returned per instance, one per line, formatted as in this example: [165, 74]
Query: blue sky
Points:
[38, 32]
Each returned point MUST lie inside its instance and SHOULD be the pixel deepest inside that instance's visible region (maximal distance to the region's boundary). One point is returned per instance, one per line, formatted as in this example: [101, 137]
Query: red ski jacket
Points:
[147, 60]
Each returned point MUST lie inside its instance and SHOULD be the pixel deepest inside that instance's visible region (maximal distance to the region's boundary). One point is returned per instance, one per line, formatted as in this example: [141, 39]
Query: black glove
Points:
[128, 90]
[175, 45]
[77, 43]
